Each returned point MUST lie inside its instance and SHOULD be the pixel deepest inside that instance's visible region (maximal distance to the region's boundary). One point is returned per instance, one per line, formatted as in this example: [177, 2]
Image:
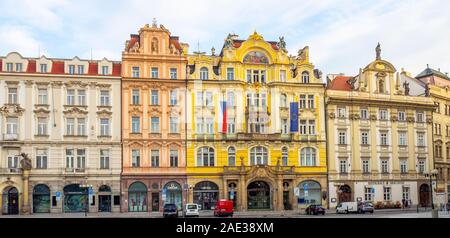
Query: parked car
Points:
[347, 207]
[191, 210]
[364, 207]
[223, 208]
[170, 210]
[315, 210]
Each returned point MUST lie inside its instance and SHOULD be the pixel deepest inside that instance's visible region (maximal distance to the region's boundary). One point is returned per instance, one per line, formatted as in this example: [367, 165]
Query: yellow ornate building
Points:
[255, 127]
[379, 138]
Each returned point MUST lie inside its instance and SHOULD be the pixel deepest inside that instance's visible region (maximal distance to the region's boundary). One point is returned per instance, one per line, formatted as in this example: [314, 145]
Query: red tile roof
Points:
[175, 41]
[93, 68]
[340, 83]
[117, 69]
[31, 66]
[1, 65]
[58, 67]
[133, 40]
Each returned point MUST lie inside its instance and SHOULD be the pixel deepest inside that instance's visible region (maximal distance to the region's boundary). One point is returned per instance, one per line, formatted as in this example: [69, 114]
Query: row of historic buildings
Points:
[250, 123]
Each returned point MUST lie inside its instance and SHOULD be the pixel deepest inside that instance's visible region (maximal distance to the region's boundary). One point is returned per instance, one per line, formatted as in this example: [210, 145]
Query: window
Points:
[421, 166]
[230, 73]
[135, 97]
[230, 99]
[364, 114]
[249, 76]
[81, 126]
[199, 99]
[364, 138]
[104, 98]
[105, 70]
[173, 73]
[231, 128]
[173, 97]
[9, 67]
[19, 67]
[205, 156]
[303, 127]
[343, 166]
[204, 73]
[155, 124]
[104, 127]
[342, 138]
[231, 156]
[13, 161]
[305, 77]
[284, 156]
[42, 126]
[283, 100]
[438, 151]
[155, 99]
[405, 193]
[259, 155]
[401, 116]
[383, 114]
[312, 127]
[311, 101]
[282, 75]
[302, 103]
[70, 159]
[403, 166]
[81, 97]
[209, 126]
[199, 125]
[135, 158]
[384, 166]
[12, 125]
[341, 112]
[135, 124]
[420, 117]
[208, 99]
[173, 124]
[420, 139]
[402, 138]
[308, 156]
[81, 159]
[135, 72]
[12, 95]
[42, 96]
[155, 158]
[104, 159]
[70, 126]
[383, 138]
[368, 194]
[284, 126]
[70, 97]
[173, 158]
[387, 193]
[154, 72]
[41, 159]
[80, 69]
[71, 69]
[365, 166]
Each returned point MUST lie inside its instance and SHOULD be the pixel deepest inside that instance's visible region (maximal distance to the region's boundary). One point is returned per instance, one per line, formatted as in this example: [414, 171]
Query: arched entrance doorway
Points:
[10, 201]
[310, 193]
[75, 198]
[41, 199]
[137, 197]
[104, 198]
[206, 194]
[424, 195]
[344, 194]
[173, 194]
[259, 195]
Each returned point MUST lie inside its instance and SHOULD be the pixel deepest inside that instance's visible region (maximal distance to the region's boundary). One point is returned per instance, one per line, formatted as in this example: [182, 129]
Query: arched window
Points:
[231, 156]
[283, 100]
[284, 156]
[259, 155]
[205, 156]
[305, 77]
[204, 73]
[308, 156]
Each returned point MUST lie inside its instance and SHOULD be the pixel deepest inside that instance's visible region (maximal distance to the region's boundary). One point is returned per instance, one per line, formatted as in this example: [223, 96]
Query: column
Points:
[242, 194]
[26, 204]
[279, 195]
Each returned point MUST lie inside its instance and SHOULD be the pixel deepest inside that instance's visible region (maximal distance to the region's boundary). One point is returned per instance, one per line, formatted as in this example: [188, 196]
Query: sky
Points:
[342, 34]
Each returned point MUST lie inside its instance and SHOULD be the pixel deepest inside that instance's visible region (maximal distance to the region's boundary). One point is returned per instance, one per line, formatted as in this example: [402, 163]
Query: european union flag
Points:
[294, 116]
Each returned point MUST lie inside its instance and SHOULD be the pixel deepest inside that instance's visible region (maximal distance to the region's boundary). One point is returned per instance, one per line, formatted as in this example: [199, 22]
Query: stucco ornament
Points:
[406, 87]
[228, 41]
[25, 163]
[135, 48]
[282, 44]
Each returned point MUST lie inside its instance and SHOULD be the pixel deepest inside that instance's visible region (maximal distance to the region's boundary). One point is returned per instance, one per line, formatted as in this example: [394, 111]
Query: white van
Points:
[347, 207]
[191, 210]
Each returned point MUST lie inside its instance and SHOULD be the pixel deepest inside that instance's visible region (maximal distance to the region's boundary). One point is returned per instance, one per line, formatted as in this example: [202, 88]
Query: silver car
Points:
[364, 207]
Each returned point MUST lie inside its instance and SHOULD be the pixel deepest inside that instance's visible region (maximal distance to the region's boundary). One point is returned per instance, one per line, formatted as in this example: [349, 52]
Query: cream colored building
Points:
[65, 115]
[379, 138]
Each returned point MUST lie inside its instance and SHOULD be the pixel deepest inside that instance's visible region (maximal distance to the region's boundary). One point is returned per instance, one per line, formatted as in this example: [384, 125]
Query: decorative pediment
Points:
[41, 110]
[12, 110]
[75, 110]
[75, 84]
[155, 110]
[410, 119]
[135, 110]
[104, 113]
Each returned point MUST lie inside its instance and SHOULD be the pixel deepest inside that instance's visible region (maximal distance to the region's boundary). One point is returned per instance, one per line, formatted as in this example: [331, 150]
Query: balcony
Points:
[11, 137]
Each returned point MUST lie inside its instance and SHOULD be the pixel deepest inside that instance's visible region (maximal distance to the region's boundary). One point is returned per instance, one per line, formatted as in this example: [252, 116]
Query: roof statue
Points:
[378, 51]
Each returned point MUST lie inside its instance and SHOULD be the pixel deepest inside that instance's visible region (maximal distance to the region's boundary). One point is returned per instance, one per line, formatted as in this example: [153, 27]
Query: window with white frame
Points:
[154, 72]
[231, 125]
[384, 166]
[173, 156]
[282, 75]
[312, 127]
[173, 97]
[308, 156]
[42, 126]
[364, 114]
[342, 137]
[82, 97]
[420, 139]
[155, 124]
[12, 96]
[259, 155]
[205, 157]
[104, 127]
[70, 126]
[343, 166]
[302, 101]
[209, 125]
[81, 158]
[173, 73]
[71, 69]
[135, 158]
[284, 156]
[365, 166]
[231, 156]
[19, 67]
[105, 70]
[384, 138]
[204, 73]
[305, 77]
[9, 67]
[41, 159]
[283, 100]
[12, 125]
[154, 97]
[80, 69]
[303, 127]
[403, 166]
[135, 124]
[421, 166]
[42, 96]
[13, 161]
[199, 99]
[383, 114]
[155, 158]
[70, 97]
[230, 73]
[135, 72]
[387, 193]
[405, 193]
[364, 137]
[199, 125]
[208, 99]
[420, 117]
[135, 97]
[401, 116]
[81, 126]
[341, 112]
[368, 194]
[104, 159]
[230, 99]
[70, 159]
[402, 138]
[174, 124]
[311, 102]
[284, 126]
[104, 98]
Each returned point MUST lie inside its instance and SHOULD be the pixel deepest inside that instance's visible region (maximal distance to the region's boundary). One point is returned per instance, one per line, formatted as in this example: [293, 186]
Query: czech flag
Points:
[223, 117]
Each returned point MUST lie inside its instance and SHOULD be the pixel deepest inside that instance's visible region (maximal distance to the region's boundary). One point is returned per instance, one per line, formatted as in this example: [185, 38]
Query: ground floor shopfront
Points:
[258, 188]
[380, 192]
[150, 193]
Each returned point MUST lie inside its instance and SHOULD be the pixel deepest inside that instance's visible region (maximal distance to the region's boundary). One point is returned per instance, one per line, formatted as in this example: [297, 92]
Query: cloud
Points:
[19, 39]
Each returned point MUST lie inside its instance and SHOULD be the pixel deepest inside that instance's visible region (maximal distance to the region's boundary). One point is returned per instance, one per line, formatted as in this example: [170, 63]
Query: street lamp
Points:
[433, 174]
[88, 187]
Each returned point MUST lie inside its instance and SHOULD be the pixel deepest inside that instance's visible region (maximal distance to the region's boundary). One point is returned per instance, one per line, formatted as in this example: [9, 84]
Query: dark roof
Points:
[191, 69]
[216, 70]
[431, 72]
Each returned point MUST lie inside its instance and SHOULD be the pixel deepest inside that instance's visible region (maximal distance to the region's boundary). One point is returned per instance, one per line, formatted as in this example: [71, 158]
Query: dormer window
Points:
[9, 67]
[44, 68]
[71, 69]
[80, 69]
[18, 67]
[203, 73]
[305, 77]
[105, 70]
